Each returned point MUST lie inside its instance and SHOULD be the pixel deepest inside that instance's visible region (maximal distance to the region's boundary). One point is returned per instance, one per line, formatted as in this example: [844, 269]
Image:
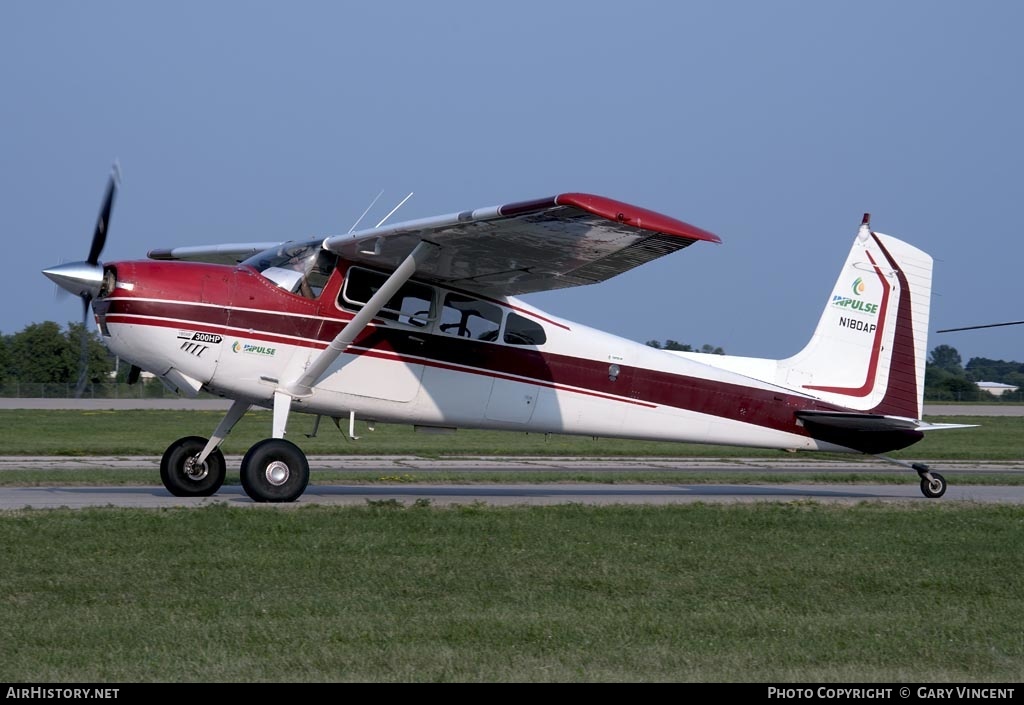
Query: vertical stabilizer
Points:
[869, 349]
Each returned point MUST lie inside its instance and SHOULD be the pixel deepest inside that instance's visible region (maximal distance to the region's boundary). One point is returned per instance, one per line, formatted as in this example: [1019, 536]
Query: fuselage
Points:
[458, 360]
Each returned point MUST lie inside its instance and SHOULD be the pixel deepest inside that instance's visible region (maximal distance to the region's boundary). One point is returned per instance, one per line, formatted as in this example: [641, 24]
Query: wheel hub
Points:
[194, 471]
[277, 473]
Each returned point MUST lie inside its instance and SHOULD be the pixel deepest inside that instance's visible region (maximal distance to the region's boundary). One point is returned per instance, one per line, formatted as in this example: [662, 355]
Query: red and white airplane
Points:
[418, 323]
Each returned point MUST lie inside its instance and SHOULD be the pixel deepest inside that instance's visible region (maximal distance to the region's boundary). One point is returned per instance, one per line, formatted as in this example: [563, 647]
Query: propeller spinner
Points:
[83, 279]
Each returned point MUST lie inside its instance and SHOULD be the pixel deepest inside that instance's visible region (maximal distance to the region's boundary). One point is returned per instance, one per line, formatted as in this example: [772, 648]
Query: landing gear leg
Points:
[276, 470]
[933, 485]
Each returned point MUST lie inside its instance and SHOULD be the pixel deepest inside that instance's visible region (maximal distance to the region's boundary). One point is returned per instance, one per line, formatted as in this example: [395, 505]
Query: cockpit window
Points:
[301, 268]
[410, 305]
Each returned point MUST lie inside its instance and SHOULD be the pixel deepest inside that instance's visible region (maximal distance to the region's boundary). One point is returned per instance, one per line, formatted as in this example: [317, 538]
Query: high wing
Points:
[549, 243]
[518, 248]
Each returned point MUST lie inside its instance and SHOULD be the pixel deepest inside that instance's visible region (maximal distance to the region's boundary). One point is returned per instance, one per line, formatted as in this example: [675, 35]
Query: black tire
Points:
[275, 470]
[934, 489]
[179, 475]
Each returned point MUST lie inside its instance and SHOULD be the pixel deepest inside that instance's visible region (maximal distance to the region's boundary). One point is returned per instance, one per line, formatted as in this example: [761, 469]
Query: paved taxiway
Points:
[534, 494]
[509, 494]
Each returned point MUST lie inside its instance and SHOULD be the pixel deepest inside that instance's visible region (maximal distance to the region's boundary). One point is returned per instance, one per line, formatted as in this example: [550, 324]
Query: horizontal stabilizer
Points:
[867, 432]
[852, 421]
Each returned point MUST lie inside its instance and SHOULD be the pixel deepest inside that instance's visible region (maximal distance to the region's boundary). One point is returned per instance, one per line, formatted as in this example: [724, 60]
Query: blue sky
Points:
[774, 125]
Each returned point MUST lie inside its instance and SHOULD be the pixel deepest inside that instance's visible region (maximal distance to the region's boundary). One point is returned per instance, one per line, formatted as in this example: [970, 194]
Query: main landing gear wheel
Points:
[275, 470]
[183, 477]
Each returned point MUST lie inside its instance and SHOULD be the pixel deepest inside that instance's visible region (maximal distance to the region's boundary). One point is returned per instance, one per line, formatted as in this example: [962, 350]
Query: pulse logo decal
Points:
[251, 349]
[848, 303]
[845, 302]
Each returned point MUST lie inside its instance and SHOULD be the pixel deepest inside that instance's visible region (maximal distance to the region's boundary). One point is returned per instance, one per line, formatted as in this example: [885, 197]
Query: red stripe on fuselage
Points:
[640, 386]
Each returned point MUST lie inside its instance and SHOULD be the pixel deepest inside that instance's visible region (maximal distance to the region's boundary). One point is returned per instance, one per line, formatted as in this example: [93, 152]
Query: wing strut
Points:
[317, 370]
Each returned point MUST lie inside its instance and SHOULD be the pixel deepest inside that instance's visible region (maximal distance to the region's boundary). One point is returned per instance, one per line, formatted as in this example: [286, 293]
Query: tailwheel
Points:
[933, 487]
[183, 476]
[275, 470]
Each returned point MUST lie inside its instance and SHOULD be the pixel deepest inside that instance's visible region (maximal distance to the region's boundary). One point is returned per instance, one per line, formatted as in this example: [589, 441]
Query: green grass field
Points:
[147, 432]
[773, 592]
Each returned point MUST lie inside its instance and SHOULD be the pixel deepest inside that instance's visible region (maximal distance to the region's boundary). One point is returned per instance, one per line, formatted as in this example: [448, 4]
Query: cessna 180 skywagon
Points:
[418, 322]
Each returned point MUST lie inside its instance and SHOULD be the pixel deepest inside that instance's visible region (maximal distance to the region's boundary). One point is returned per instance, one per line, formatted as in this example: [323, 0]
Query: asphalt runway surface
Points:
[13, 498]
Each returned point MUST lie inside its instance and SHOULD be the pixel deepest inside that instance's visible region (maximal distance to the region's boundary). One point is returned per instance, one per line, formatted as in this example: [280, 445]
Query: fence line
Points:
[66, 390]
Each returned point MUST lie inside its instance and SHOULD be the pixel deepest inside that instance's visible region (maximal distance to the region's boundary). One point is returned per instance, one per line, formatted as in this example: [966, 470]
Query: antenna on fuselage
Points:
[379, 194]
[400, 204]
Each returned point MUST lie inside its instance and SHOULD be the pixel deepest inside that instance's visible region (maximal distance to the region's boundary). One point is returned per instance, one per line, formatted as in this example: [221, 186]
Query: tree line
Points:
[683, 347]
[45, 353]
[948, 379]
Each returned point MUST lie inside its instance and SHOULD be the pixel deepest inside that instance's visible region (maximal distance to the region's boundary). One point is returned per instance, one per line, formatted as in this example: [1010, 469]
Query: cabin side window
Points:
[466, 317]
[409, 306]
[520, 330]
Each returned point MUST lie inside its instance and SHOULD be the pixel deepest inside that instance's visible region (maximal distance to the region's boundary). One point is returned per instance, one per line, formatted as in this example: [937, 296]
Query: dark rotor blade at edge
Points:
[83, 358]
[99, 237]
[989, 325]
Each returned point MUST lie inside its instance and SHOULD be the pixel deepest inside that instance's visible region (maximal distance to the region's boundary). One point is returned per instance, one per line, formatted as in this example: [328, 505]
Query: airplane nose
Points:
[80, 278]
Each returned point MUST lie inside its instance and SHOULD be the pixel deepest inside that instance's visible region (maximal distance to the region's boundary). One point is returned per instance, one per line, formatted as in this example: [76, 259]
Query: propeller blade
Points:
[99, 236]
[990, 325]
[83, 358]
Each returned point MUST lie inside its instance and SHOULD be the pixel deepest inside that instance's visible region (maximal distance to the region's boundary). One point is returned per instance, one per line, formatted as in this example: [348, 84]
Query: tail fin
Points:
[868, 352]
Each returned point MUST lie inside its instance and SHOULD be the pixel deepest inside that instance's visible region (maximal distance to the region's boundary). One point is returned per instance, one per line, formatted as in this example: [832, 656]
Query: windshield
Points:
[301, 268]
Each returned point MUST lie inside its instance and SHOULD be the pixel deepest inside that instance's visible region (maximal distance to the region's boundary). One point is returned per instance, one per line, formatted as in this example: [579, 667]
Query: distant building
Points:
[997, 388]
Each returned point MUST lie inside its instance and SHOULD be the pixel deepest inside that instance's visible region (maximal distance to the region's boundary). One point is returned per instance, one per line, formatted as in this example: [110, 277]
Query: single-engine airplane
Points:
[418, 322]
